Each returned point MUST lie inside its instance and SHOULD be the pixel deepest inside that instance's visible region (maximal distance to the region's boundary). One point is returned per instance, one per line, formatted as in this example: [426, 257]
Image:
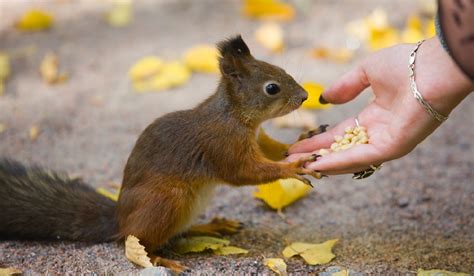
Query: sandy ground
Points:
[417, 212]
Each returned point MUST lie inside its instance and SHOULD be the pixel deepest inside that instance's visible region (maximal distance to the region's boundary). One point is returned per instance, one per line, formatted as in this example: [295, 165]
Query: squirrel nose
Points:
[304, 99]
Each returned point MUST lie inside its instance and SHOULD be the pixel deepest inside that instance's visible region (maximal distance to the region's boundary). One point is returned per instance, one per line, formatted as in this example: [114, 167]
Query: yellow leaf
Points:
[145, 68]
[35, 20]
[230, 250]
[430, 29]
[343, 272]
[4, 71]
[413, 30]
[437, 272]
[270, 36]
[9, 271]
[278, 265]
[199, 244]
[170, 75]
[3, 127]
[106, 193]
[34, 133]
[314, 92]
[281, 193]
[340, 55]
[202, 58]
[268, 9]
[135, 252]
[49, 69]
[313, 254]
[121, 14]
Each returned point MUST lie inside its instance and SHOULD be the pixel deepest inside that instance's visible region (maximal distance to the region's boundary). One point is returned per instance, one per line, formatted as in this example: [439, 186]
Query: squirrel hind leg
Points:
[175, 266]
[216, 227]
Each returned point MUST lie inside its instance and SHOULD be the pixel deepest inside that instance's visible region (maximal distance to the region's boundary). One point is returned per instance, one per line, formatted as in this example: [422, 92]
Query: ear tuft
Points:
[234, 46]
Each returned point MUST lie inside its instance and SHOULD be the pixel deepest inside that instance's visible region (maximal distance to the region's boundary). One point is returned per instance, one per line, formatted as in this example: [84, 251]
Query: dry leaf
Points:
[281, 193]
[270, 36]
[340, 55]
[437, 272]
[199, 244]
[202, 58]
[430, 29]
[268, 9]
[145, 68]
[9, 271]
[169, 75]
[5, 71]
[34, 133]
[135, 252]
[314, 92]
[121, 13]
[49, 69]
[3, 127]
[313, 254]
[106, 193]
[230, 250]
[35, 20]
[278, 265]
[413, 30]
[343, 272]
[304, 119]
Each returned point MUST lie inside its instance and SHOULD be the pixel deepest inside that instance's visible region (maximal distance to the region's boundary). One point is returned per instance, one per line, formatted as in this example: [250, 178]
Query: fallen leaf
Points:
[430, 29]
[413, 30]
[49, 69]
[199, 244]
[35, 20]
[145, 68]
[202, 58]
[314, 92]
[135, 252]
[343, 272]
[5, 71]
[107, 193]
[340, 55]
[34, 133]
[278, 265]
[281, 193]
[313, 254]
[3, 127]
[270, 36]
[230, 250]
[268, 9]
[120, 14]
[9, 271]
[383, 38]
[171, 74]
[438, 272]
[301, 118]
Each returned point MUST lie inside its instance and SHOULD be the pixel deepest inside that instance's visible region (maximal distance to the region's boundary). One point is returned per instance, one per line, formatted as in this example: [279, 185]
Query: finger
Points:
[347, 87]
[321, 141]
[359, 156]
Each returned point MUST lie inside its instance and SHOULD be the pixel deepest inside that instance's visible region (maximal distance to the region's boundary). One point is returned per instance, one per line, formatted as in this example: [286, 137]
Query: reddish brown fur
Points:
[179, 157]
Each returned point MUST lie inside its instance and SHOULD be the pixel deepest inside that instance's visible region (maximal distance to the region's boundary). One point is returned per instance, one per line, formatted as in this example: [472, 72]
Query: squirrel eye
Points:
[272, 88]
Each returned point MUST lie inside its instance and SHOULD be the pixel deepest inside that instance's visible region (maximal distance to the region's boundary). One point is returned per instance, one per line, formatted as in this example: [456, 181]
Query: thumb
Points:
[347, 87]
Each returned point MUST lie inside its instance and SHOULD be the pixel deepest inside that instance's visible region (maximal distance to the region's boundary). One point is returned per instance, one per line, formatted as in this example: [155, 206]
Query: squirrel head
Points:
[258, 89]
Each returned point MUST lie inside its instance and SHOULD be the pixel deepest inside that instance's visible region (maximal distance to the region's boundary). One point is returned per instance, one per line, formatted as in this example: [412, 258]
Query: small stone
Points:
[403, 202]
[156, 271]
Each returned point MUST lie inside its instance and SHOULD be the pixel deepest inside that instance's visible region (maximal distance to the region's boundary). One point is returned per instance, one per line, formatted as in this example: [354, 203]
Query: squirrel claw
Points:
[313, 132]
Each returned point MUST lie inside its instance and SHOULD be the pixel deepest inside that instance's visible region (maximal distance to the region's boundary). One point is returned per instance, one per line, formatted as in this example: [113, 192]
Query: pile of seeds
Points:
[352, 136]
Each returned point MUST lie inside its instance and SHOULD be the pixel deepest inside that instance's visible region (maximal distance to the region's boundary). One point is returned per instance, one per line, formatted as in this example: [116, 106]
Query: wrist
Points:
[442, 84]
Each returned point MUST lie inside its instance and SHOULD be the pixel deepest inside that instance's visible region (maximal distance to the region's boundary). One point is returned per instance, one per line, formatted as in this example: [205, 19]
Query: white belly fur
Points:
[201, 201]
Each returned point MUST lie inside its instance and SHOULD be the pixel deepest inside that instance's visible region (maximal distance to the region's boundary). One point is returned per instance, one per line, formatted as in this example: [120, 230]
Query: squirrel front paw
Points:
[300, 170]
[313, 132]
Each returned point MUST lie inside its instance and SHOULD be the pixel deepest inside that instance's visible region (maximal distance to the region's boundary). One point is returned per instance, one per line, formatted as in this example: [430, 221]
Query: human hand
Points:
[396, 123]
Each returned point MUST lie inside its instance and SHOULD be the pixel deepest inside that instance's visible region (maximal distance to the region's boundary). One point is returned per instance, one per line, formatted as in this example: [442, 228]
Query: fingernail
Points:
[322, 100]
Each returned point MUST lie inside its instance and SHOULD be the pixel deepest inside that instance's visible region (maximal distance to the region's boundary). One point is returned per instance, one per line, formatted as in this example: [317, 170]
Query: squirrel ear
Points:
[233, 54]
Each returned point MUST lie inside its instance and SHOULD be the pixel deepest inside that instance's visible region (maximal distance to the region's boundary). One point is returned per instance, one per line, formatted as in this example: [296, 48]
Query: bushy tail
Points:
[39, 204]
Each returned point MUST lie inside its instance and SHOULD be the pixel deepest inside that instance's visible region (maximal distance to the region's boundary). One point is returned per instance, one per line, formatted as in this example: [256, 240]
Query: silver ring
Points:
[366, 173]
[372, 168]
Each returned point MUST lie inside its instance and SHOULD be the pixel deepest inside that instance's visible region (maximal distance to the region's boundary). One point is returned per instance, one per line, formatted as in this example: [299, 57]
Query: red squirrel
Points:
[176, 163]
